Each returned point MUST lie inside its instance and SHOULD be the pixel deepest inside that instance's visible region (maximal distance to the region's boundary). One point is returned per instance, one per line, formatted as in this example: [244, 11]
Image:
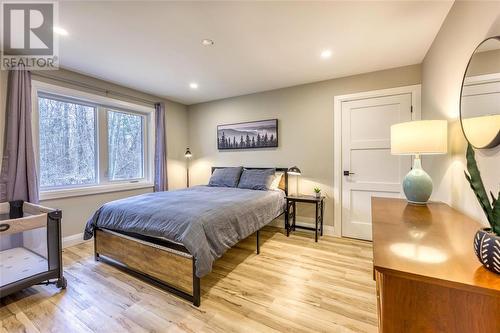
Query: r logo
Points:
[28, 29]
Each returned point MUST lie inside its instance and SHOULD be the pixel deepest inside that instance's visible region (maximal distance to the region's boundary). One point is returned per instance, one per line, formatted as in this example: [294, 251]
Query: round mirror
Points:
[480, 97]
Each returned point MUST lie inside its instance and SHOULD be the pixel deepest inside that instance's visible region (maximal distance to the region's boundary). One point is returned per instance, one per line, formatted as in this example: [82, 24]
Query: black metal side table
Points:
[291, 210]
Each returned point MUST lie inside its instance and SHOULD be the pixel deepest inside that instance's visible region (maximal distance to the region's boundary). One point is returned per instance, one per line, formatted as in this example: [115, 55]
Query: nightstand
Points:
[291, 210]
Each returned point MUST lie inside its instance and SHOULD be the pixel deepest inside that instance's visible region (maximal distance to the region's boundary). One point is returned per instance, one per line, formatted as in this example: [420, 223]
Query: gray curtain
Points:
[18, 179]
[161, 183]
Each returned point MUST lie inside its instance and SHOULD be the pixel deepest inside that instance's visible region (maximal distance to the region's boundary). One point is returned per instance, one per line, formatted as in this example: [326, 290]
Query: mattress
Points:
[19, 263]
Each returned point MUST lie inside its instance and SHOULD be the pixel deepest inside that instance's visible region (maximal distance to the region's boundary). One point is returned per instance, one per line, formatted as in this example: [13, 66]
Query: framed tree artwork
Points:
[248, 135]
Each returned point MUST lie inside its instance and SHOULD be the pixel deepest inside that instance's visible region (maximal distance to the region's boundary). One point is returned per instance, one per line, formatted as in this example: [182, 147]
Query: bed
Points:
[172, 238]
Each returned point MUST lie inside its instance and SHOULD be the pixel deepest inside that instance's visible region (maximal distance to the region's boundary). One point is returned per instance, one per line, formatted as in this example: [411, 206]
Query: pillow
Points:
[225, 177]
[256, 179]
[275, 184]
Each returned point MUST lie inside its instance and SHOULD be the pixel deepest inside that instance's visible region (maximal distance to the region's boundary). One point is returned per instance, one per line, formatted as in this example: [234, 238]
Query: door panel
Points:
[481, 98]
[364, 159]
[369, 127]
[366, 154]
[360, 213]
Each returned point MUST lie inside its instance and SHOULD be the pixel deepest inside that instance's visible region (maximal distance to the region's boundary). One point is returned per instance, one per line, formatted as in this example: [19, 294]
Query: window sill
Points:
[91, 190]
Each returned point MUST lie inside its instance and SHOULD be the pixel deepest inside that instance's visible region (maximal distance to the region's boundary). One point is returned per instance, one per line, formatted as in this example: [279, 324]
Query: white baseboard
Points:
[328, 229]
[73, 240]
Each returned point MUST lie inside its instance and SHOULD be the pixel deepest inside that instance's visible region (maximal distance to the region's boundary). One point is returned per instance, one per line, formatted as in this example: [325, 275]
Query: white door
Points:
[369, 169]
[481, 95]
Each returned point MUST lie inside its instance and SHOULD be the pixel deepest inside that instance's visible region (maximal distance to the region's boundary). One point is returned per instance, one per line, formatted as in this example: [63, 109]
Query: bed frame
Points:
[165, 264]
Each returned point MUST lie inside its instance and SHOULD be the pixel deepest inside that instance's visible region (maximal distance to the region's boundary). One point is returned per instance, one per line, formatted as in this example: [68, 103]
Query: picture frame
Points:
[248, 135]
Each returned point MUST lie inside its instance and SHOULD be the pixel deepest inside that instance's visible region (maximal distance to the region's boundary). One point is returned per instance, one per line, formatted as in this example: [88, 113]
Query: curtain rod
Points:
[91, 87]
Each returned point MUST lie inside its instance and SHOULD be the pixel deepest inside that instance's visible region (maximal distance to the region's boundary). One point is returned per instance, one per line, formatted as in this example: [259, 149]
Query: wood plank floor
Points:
[294, 285]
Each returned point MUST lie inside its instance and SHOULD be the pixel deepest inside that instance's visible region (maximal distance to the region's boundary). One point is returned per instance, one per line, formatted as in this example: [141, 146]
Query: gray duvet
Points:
[206, 220]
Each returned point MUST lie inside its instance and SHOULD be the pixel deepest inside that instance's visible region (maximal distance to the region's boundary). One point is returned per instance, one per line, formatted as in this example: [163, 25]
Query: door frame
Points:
[414, 90]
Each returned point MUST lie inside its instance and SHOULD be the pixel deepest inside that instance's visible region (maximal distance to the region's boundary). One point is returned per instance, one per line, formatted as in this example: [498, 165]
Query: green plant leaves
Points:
[496, 214]
[492, 211]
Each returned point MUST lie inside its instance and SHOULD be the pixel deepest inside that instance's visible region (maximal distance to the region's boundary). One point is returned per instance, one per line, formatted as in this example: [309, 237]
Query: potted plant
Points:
[486, 240]
[317, 192]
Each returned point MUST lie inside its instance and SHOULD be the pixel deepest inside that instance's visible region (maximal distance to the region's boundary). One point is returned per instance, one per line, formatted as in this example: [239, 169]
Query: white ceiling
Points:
[156, 46]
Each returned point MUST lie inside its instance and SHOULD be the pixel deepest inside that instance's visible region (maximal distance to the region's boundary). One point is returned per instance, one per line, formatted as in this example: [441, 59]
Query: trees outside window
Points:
[67, 143]
[125, 146]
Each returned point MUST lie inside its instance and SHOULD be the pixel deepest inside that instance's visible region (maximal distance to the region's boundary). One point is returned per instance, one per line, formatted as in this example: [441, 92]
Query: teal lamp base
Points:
[417, 184]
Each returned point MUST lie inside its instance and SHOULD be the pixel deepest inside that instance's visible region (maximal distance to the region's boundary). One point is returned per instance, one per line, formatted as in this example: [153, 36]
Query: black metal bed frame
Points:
[196, 297]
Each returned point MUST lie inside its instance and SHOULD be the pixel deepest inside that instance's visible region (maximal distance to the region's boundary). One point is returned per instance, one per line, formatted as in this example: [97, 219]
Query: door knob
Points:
[347, 173]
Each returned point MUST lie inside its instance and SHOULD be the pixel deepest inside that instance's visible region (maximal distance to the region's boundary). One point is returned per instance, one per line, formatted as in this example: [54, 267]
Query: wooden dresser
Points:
[428, 278]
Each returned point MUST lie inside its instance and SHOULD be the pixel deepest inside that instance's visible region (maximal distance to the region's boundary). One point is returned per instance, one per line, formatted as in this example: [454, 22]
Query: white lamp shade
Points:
[419, 137]
[480, 131]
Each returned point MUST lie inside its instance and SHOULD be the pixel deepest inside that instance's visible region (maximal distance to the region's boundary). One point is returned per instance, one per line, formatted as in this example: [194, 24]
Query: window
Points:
[125, 146]
[88, 143]
[67, 136]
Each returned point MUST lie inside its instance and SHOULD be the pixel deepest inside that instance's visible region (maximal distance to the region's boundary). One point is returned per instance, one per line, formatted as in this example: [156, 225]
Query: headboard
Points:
[284, 180]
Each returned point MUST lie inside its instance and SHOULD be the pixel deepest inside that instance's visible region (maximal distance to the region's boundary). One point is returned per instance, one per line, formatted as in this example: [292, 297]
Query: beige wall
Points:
[466, 25]
[484, 63]
[305, 116]
[77, 210]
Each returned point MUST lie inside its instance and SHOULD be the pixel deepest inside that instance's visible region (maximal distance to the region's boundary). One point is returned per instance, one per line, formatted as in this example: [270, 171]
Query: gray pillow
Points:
[257, 179]
[225, 177]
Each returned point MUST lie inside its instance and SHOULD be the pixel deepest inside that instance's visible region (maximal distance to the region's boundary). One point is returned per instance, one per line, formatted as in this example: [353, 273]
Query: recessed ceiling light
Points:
[207, 42]
[326, 54]
[193, 85]
[60, 31]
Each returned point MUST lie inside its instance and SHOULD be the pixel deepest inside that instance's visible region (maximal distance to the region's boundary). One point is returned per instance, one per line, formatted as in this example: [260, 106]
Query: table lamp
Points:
[295, 171]
[421, 137]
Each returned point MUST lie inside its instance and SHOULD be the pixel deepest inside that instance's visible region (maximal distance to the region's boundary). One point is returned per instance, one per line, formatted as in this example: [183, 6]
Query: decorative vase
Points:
[487, 249]
[417, 184]
[318, 194]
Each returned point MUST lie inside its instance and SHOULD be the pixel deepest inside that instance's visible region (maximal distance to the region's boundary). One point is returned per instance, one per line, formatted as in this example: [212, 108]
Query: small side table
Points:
[291, 210]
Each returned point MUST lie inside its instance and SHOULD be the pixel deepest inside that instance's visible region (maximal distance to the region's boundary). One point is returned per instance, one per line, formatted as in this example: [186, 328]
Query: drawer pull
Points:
[4, 227]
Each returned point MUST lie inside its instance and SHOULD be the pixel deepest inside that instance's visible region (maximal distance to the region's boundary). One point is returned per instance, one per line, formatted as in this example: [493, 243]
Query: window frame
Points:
[102, 105]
